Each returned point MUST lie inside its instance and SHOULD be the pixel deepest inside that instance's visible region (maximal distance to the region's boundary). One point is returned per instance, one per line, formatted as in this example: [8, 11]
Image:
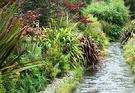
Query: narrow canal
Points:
[116, 77]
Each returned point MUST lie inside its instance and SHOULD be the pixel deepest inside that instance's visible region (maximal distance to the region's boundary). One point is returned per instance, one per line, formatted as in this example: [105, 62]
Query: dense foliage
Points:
[11, 36]
[48, 9]
[128, 42]
[113, 31]
[95, 31]
[131, 3]
[75, 8]
[127, 32]
[129, 53]
[40, 44]
[112, 12]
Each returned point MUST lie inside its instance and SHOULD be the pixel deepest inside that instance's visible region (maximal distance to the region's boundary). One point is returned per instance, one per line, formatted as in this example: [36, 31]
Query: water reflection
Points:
[116, 77]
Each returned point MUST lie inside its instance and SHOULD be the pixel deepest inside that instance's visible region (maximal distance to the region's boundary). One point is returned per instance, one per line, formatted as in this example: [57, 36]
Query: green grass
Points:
[67, 88]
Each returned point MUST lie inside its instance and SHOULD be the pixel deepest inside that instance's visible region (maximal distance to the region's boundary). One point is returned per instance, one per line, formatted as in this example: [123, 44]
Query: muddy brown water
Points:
[115, 77]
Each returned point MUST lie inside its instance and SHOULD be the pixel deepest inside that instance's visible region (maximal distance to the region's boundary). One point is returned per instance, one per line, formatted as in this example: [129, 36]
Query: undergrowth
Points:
[113, 11]
[129, 53]
[2, 89]
[95, 31]
[56, 47]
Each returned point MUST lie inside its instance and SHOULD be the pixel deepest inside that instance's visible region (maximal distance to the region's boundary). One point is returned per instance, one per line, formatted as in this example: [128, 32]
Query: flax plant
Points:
[10, 38]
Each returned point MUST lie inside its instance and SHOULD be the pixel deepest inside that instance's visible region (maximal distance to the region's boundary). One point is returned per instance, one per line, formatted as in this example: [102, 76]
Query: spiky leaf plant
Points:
[92, 55]
[11, 36]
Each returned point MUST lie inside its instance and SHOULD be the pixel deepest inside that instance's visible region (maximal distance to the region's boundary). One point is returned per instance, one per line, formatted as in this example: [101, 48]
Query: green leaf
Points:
[20, 69]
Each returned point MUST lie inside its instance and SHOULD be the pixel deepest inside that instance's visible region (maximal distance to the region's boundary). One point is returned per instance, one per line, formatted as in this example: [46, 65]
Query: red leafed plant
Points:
[82, 19]
[75, 8]
[30, 20]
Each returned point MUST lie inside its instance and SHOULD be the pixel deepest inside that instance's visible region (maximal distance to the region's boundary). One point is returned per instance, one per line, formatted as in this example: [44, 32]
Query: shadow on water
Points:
[115, 77]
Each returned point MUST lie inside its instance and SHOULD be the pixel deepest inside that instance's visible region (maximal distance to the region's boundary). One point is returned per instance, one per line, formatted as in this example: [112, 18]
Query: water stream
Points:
[115, 77]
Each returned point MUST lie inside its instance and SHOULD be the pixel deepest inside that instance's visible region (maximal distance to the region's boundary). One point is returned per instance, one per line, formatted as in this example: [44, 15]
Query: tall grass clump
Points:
[129, 52]
[114, 11]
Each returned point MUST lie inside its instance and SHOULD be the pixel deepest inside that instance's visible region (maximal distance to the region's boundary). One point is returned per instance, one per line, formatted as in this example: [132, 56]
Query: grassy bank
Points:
[72, 82]
[129, 53]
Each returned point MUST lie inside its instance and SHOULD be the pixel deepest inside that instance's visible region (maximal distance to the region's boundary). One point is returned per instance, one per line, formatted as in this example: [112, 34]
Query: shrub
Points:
[127, 32]
[95, 31]
[114, 32]
[74, 8]
[48, 9]
[62, 40]
[27, 81]
[129, 52]
[59, 43]
[113, 12]
[105, 27]
[65, 48]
